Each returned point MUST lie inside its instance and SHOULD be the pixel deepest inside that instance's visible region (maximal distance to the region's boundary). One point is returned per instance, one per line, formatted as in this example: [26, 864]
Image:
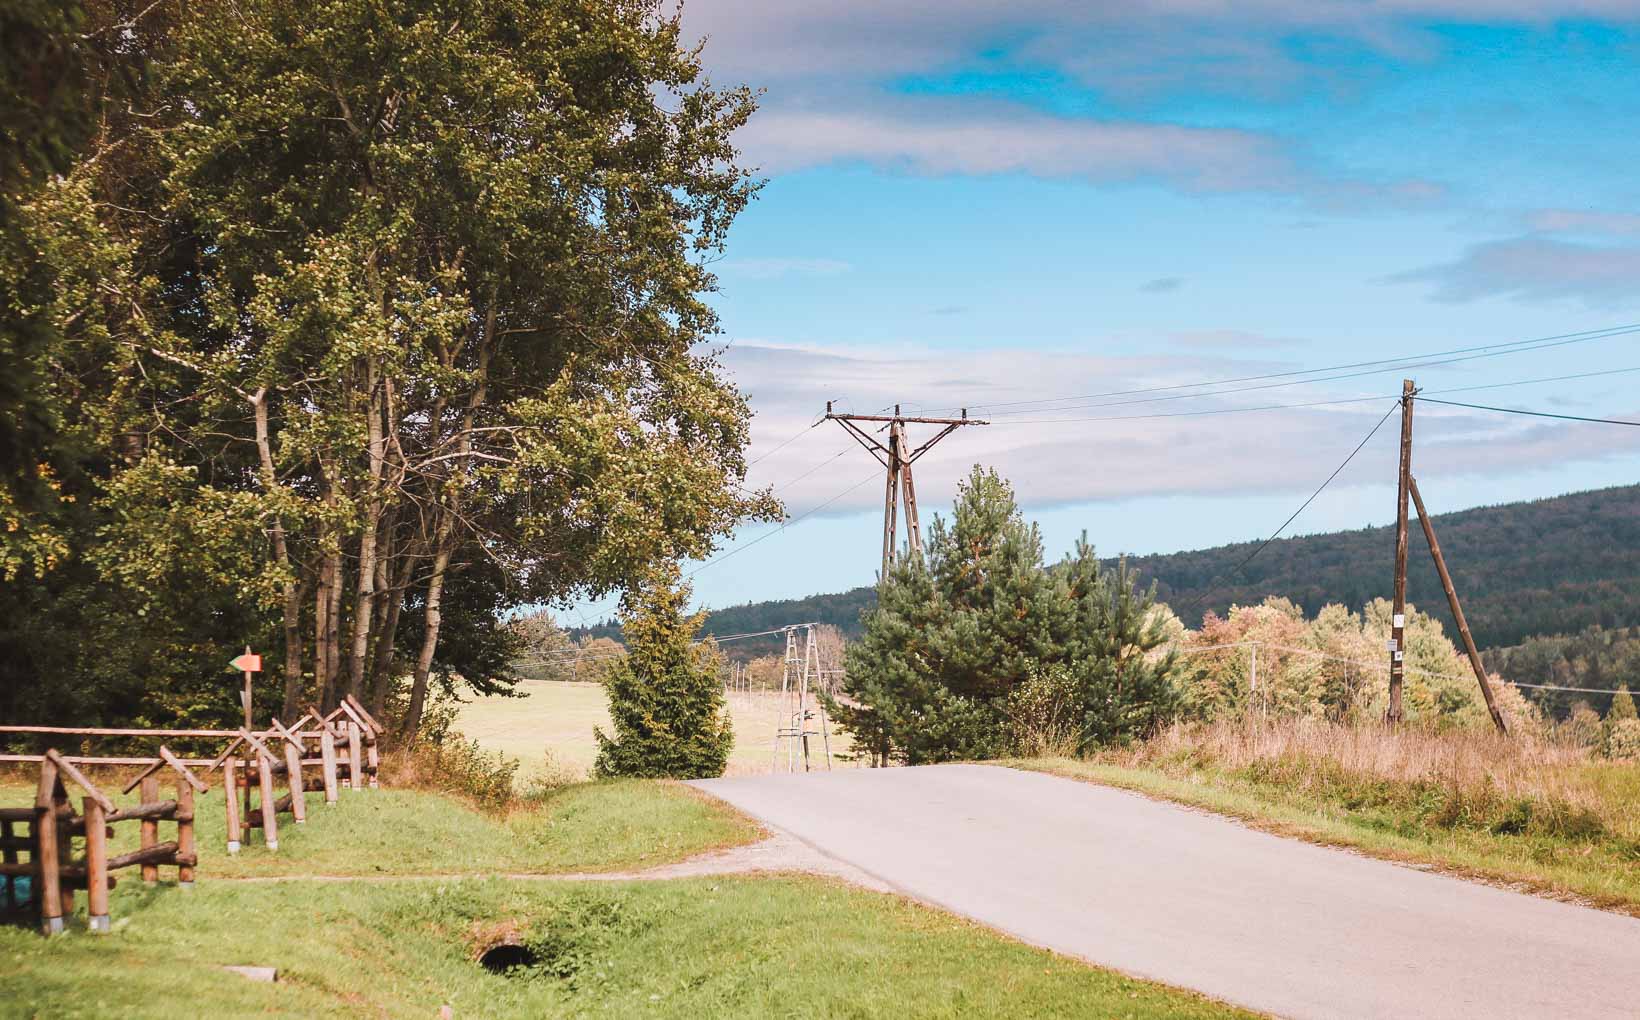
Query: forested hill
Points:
[1550, 566]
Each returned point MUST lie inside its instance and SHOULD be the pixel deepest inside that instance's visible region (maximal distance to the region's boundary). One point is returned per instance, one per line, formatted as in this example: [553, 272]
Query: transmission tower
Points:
[897, 458]
[798, 713]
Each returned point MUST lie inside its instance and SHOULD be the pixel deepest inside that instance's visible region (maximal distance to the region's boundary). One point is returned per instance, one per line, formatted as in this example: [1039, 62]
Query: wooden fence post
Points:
[48, 877]
[293, 772]
[355, 762]
[149, 794]
[186, 850]
[270, 810]
[327, 752]
[230, 789]
[96, 865]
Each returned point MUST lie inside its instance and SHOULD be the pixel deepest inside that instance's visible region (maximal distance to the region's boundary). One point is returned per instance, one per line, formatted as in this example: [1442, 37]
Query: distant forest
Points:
[1550, 566]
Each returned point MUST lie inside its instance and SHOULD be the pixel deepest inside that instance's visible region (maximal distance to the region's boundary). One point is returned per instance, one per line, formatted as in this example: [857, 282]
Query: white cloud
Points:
[1536, 269]
[1077, 461]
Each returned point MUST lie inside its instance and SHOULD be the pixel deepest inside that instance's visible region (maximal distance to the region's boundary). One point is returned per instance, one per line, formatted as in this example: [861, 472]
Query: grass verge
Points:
[1517, 813]
[790, 947]
[605, 826]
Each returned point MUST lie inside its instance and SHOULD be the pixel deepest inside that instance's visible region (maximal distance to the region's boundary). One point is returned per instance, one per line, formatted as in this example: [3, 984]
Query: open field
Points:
[606, 826]
[550, 727]
[1515, 811]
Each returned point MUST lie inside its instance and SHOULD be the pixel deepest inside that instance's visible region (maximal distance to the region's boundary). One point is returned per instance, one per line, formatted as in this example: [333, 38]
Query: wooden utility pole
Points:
[1397, 651]
[1457, 610]
[896, 457]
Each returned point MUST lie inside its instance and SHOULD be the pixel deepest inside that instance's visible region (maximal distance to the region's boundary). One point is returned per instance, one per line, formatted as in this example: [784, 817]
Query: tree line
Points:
[1550, 566]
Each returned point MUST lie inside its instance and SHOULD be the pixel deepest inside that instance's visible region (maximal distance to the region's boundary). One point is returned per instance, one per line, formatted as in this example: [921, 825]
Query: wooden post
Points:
[270, 811]
[327, 754]
[913, 528]
[8, 852]
[293, 772]
[186, 849]
[1397, 654]
[96, 865]
[150, 827]
[355, 759]
[1457, 611]
[230, 790]
[890, 509]
[373, 759]
[48, 871]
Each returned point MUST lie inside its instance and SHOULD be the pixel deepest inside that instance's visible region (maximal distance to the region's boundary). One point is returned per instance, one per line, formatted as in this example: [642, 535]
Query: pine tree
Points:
[665, 698]
[1622, 705]
[954, 636]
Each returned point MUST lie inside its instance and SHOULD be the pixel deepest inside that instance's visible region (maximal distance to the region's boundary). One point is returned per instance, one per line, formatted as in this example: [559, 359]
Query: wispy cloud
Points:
[1536, 269]
[1161, 285]
[1583, 221]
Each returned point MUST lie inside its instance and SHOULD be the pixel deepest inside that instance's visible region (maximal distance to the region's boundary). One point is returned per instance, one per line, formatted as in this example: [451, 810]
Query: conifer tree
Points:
[1622, 705]
[956, 633]
[665, 698]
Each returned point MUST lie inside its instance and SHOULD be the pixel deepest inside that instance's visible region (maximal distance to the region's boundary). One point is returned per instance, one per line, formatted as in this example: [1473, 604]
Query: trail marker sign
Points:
[247, 663]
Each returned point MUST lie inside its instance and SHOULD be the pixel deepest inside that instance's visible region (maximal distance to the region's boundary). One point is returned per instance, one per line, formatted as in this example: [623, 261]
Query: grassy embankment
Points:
[1519, 811]
[550, 728]
[717, 947]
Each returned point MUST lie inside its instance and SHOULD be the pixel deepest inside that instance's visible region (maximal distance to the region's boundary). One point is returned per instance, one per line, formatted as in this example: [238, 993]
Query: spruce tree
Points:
[665, 697]
[1622, 705]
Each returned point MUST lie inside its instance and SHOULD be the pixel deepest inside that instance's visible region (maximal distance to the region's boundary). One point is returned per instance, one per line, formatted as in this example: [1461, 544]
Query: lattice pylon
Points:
[798, 710]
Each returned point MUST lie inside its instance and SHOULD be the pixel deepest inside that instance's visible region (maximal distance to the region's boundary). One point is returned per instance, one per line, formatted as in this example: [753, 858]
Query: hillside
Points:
[1549, 566]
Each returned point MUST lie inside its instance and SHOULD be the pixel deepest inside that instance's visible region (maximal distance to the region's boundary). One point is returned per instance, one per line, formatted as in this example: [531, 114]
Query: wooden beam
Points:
[1457, 611]
[79, 777]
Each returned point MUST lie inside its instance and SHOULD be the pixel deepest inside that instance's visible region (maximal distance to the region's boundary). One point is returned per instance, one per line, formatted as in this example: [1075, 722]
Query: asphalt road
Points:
[1203, 902]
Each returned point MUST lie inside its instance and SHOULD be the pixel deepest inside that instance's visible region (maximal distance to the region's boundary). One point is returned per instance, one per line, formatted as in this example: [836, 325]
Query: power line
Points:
[1294, 516]
[1534, 414]
[1394, 364]
[783, 526]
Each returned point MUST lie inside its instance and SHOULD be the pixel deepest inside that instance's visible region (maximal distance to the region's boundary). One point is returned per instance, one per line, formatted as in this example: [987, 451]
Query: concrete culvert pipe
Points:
[506, 955]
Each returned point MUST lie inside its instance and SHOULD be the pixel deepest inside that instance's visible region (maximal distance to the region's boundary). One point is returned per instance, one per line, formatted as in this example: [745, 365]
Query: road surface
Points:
[1203, 902]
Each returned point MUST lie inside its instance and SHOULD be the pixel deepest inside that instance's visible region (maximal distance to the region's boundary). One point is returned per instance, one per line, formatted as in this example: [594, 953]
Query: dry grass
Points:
[1517, 810]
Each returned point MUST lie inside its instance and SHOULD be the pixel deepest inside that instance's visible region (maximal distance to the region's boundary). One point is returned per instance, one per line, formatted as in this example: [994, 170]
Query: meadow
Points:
[549, 728]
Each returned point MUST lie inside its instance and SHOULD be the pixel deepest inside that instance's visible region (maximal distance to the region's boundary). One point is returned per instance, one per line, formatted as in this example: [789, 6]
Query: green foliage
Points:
[1597, 658]
[1622, 705]
[1621, 740]
[350, 329]
[937, 674]
[666, 699]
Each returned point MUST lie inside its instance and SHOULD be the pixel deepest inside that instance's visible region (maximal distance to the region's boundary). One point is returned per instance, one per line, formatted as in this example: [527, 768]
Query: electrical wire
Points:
[1294, 516]
[784, 525]
[1389, 364]
[1534, 414]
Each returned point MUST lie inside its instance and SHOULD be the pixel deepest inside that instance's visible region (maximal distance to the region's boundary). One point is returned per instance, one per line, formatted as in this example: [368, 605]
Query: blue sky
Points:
[979, 204]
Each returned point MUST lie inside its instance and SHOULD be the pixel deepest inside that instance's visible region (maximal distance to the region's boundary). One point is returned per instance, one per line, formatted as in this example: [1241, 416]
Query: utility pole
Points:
[896, 456]
[1397, 650]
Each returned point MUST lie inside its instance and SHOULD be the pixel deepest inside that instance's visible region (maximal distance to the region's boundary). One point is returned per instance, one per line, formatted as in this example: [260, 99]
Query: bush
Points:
[1622, 740]
[442, 759]
[1043, 714]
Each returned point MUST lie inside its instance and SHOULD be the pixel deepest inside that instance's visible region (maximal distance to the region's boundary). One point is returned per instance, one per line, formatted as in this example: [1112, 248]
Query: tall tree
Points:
[412, 303]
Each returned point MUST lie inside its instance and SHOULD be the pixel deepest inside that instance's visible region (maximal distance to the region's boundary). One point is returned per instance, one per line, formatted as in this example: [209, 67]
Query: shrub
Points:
[1622, 740]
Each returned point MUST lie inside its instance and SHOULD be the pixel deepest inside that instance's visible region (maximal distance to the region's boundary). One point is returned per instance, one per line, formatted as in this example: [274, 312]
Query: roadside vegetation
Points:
[1531, 811]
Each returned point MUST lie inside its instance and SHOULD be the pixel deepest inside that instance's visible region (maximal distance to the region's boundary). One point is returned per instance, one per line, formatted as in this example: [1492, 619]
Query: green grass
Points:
[791, 948]
[602, 826]
[1565, 853]
[550, 728]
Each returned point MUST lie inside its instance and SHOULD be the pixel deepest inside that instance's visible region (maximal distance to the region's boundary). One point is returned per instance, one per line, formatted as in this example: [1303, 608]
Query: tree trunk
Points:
[281, 555]
[386, 637]
[434, 618]
[364, 601]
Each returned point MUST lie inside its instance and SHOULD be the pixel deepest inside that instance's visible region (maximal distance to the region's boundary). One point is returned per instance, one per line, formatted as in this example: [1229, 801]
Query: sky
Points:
[1034, 209]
